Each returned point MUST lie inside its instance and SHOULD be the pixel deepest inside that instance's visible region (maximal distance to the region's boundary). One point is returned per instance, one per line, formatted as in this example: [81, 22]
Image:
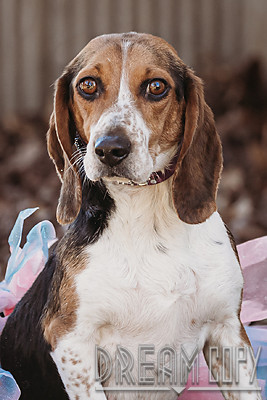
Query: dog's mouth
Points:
[154, 179]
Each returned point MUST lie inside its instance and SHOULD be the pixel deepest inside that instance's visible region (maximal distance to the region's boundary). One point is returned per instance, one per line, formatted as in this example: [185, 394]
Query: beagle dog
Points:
[146, 259]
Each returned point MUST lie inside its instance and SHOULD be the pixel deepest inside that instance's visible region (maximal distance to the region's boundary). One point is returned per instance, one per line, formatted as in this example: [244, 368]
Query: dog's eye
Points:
[156, 87]
[87, 86]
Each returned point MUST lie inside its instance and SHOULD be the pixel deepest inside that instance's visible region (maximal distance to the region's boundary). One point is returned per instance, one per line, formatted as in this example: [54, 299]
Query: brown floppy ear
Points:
[199, 165]
[59, 144]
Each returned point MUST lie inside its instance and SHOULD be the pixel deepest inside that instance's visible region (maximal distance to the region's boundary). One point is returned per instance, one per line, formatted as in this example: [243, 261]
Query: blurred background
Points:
[225, 41]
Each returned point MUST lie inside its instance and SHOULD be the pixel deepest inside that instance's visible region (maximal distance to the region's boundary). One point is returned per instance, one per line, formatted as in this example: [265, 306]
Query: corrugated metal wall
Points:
[38, 37]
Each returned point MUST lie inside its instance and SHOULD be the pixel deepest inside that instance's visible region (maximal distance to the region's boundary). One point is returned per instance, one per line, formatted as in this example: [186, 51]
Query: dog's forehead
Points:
[113, 50]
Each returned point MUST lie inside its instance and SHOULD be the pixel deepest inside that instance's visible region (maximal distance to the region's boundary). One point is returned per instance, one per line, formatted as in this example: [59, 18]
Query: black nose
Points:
[111, 150]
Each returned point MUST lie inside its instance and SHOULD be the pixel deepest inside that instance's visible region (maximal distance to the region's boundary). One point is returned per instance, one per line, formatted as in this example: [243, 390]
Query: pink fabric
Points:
[25, 277]
[203, 381]
[253, 259]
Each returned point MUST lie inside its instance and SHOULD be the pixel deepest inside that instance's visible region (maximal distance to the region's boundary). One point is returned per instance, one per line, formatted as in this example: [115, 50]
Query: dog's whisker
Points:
[80, 167]
[78, 152]
[85, 178]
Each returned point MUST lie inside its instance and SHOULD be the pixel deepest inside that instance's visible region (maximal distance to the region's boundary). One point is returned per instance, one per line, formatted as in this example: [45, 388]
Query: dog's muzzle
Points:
[112, 150]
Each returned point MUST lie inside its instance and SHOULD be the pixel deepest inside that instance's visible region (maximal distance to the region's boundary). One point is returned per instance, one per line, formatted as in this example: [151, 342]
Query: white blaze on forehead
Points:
[124, 95]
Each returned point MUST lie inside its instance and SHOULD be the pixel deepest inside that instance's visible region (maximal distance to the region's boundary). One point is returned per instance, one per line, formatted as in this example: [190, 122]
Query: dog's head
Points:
[138, 110]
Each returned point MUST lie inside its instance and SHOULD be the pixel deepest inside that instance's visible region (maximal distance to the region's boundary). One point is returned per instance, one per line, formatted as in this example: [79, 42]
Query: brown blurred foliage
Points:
[239, 101]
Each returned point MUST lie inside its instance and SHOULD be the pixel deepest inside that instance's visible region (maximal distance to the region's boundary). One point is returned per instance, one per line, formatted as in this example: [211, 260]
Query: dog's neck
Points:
[148, 208]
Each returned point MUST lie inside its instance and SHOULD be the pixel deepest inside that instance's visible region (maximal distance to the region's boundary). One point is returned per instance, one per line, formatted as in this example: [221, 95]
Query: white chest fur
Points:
[154, 279]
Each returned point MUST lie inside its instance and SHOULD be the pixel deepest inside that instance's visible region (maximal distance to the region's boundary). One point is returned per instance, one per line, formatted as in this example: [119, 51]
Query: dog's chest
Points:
[134, 287]
[146, 280]
[135, 280]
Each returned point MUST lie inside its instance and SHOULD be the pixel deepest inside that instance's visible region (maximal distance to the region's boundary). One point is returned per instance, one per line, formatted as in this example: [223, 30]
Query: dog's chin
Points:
[119, 178]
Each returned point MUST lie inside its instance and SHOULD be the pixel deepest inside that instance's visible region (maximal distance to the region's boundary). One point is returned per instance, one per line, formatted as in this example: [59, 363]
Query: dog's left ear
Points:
[60, 148]
[199, 165]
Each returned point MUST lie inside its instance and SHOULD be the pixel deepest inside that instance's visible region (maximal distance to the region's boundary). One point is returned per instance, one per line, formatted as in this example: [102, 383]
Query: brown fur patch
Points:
[243, 336]
[75, 361]
[232, 241]
[60, 314]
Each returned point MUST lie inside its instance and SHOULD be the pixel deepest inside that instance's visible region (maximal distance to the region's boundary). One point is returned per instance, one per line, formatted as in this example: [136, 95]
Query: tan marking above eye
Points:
[88, 86]
[156, 87]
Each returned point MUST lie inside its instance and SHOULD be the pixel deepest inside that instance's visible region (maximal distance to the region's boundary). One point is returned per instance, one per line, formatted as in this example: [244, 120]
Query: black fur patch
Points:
[93, 217]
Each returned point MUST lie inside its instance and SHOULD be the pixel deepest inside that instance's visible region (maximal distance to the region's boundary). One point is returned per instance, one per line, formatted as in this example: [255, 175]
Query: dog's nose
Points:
[111, 150]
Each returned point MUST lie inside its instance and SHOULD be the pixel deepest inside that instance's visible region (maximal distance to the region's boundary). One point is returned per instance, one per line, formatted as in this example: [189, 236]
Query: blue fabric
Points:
[9, 389]
[258, 338]
[41, 233]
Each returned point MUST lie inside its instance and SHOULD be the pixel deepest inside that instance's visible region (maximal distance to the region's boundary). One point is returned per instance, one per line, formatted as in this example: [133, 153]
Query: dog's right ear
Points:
[199, 165]
[60, 138]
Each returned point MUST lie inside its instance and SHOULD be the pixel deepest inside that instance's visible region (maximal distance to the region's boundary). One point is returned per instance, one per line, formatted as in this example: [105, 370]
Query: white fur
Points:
[124, 96]
[132, 293]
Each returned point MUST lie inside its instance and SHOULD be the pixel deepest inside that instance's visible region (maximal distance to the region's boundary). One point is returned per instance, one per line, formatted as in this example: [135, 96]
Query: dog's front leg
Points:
[75, 361]
[230, 358]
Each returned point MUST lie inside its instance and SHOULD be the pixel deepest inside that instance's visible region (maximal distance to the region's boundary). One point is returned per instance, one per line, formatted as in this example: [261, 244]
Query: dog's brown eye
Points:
[88, 86]
[156, 87]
